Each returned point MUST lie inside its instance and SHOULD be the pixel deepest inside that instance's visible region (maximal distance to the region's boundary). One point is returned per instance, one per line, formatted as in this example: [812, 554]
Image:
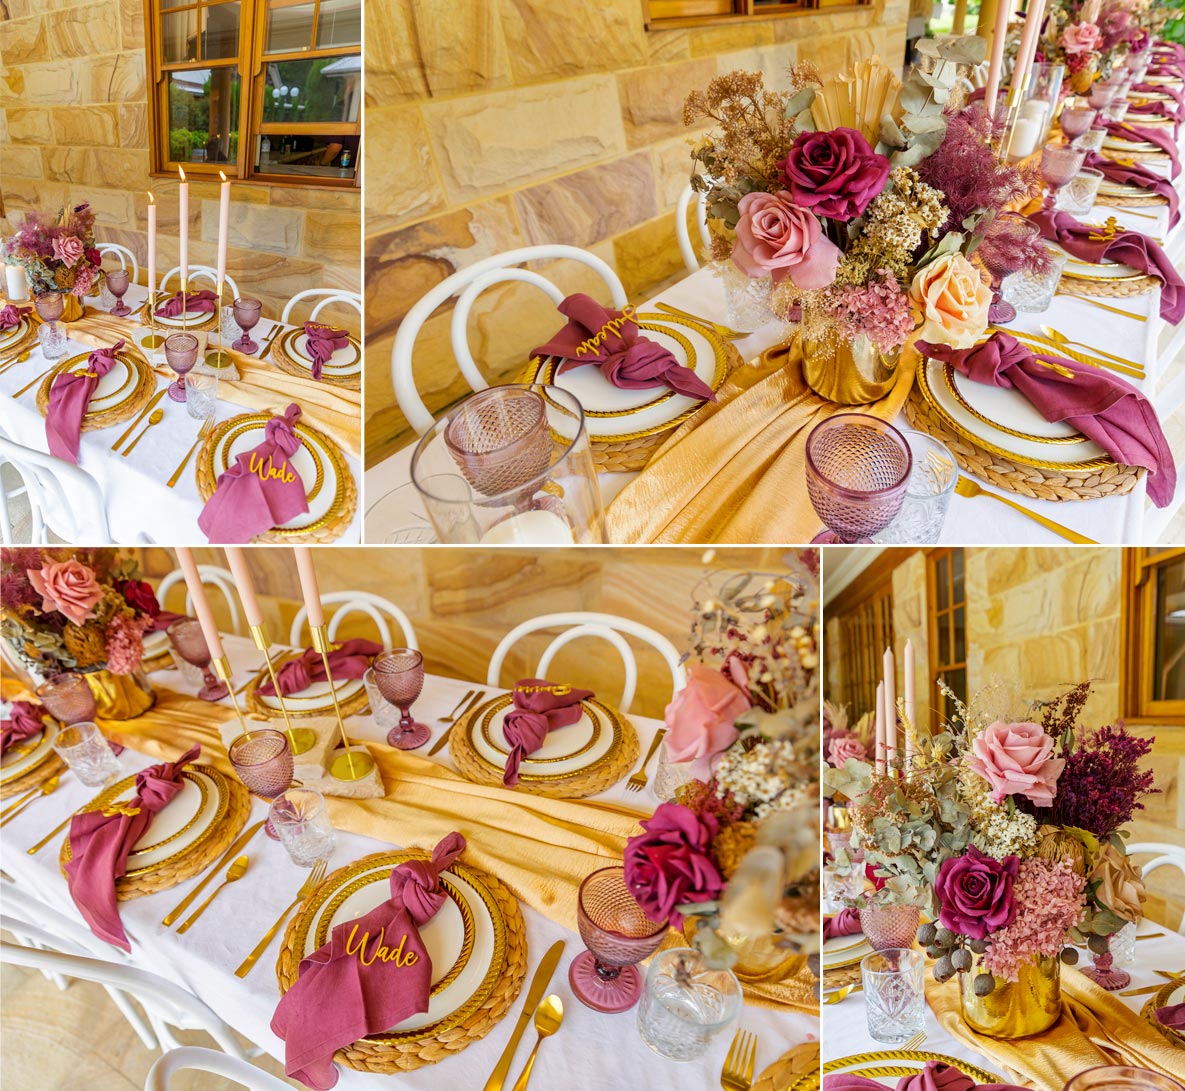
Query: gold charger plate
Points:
[23, 339]
[287, 359]
[887, 1063]
[1162, 999]
[138, 388]
[350, 705]
[949, 377]
[142, 317]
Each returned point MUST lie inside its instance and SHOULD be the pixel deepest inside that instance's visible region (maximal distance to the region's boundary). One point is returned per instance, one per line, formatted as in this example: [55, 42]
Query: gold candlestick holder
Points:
[300, 739]
[154, 340]
[221, 668]
[219, 359]
[184, 303]
[350, 765]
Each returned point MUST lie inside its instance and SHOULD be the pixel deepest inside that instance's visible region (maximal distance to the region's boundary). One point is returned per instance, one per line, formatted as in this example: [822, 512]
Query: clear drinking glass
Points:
[1091, 140]
[201, 394]
[1117, 111]
[49, 307]
[1034, 293]
[1079, 193]
[670, 776]
[1123, 946]
[685, 1005]
[927, 496]
[230, 329]
[67, 698]
[747, 298]
[894, 994]
[82, 747]
[300, 817]
[385, 714]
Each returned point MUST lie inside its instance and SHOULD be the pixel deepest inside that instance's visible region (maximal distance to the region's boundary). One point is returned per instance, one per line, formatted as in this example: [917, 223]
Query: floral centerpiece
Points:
[58, 253]
[1090, 38]
[83, 611]
[1008, 834]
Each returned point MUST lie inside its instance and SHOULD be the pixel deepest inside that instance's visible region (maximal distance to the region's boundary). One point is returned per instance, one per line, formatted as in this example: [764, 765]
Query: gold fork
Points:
[12, 361]
[965, 487]
[913, 1043]
[206, 428]
[737, 1073]
[722, 331]
[638, 781]
[1105, 306]
[310, 884]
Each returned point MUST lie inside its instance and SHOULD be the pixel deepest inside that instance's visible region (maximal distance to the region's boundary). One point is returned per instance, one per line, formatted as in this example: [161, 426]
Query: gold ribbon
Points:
[736, 471]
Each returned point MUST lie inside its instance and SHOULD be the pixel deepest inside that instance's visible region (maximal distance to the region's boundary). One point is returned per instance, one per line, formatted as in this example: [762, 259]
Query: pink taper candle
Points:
[183, 225]
[223, 227]
[911, 704]
[890, 665]
[246, 588]
[880, 727]
[151, 243]
[1028, 45]
[308, 586]
[201, 605]
[996, 64]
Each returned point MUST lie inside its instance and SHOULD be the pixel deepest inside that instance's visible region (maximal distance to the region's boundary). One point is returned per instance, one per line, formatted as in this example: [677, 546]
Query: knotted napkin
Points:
[349, 660]
[24, 721]
[1136, 134]
[100, 842]
[173, 307]
[845, 923]
[69, 398]
[1177, 94]
[1172, 1016]
[1136, 174]
[322, 342]
[1157, 107]
[1126, 247]
[935, 1076]
[539, 707]
[612, 341]
[11, 315]
[261, 490]
[372, 974]
[1102, 406]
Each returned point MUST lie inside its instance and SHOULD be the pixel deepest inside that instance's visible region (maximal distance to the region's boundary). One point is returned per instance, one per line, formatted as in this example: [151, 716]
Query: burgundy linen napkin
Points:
[350, 660]
[24, 722]
[845, 923]
[1172, 1016]
[349, 988]
[1158, 108]
[1136, 174]
[539, 707]
[69, 398]
[323, 341]
[1136, 133]
[101, 840]
[935, 1076]
[11, 315]
[1177, 94]
[1127, 247]
[205, 301]
[261, 490]
[626, 358]
[163, 620]
[1098, 404]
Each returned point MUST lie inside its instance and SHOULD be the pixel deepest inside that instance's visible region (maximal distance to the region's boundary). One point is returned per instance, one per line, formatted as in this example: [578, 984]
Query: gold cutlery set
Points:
[548, 1013]
[463, 707]
[307, 887]
[737, 1073]
[29, 797]
[155, 415]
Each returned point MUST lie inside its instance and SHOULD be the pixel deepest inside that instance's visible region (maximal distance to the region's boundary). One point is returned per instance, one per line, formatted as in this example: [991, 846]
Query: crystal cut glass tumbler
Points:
[300, 817]
[931, 485]
[685, 1005]
[84, 749]
[894, 994]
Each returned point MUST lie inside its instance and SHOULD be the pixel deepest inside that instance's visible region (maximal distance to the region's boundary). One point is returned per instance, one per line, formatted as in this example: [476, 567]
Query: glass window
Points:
[289, 26]
[179, 33]
[302, 155]
[203, 115]
[339, 23]
[316, 89]
[1154, 635]
[1168, 674]
[948, 626]
[220, 31]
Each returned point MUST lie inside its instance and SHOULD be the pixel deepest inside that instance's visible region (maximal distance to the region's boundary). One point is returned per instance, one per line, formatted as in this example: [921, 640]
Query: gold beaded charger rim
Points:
[142, 317]
[405, 1053]
[141, 381]
[1159, 1000]
[879, 1064]
[587, 781]
[27, 337]
[281, 358]
[350, 706]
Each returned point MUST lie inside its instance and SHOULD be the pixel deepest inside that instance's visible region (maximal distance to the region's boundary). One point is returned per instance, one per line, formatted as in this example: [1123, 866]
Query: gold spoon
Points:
[548, 1017]
[969, 489]
[1062, 339]
[840, 995]
[233, 874]
[13, 361]
[158, 415]
[49, 786]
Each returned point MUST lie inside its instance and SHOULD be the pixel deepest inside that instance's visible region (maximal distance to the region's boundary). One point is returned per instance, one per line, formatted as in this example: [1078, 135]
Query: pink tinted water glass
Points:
[857, 473]
[1059, 163]
[399, 675]
[1002, 253]
[263, 762]
[188, 641]
[247, 312]
[499, 438]
[1102, 94]
[181, 352]
[117, 284]
[618, 935]
[67, 698]
[889, 926]
[1076, 120]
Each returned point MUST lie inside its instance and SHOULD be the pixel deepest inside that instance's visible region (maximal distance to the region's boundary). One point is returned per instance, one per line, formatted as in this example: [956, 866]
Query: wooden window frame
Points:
[251, 67]
[1138, 625]
[937, 669]
[701, 13]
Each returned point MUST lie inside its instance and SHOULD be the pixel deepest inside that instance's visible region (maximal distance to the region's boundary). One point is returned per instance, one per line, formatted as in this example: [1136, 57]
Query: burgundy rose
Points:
[670, 865]
[834, 174]
[139, 596]
[93, 255]
[975, 893]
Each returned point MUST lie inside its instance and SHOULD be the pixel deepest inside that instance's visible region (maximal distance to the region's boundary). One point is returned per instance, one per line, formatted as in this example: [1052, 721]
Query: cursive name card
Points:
[610, 328]
[381, 952]
[265, 468]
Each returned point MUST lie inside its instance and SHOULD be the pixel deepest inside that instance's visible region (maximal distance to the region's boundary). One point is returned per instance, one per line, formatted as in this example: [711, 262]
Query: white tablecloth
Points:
[140, 505]
[605, 1050]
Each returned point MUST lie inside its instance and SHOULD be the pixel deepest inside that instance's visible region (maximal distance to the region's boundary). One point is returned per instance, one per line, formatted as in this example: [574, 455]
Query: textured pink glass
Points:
[1101, 94]
[189, 642]
[117, 285]
[618, 935]
[890, 926]
[1122, 1077]
[1107, 975]
[181, 351]
[399, 675]
[49, 306]
[499, 439]
[246, 312]
[263, 761]
[1000, 252]
[857, 471]
[67, 698]
[1059, 163]
[1075, 120]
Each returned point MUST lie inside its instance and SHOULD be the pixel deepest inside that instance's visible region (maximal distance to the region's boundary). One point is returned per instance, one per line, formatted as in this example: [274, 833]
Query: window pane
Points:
[179, 30]
[307, 156]
[956, 558]
[1168, 677]
[957, 680]
[339, 22]
[220, 38]
[959, 620]
[941, 578]
[944, 639]
[321, 89]
[204, 115]
[176, 3]
[289, 26]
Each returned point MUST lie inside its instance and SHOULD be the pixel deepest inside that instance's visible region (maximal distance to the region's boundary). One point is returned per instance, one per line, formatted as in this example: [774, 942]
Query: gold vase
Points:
[759, 959]
[72, 309]
[1014, 1009]
[847, 372]
[1081, 80]
[120, 696]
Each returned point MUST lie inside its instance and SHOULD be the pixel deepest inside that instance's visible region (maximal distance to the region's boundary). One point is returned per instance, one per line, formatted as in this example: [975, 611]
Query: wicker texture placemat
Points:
[291, 367]
[34, 778]
[28, 339]
[93, 420]
[1105, 288]
[1129, 202]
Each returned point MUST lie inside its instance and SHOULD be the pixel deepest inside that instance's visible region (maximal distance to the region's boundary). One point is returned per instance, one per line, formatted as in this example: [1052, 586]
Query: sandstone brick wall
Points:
[74, 128]
[521, 122]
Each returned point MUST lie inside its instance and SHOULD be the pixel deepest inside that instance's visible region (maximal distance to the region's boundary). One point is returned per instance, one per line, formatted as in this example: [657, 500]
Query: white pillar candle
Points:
[308, 586]
[529, 528]
[183, 226]
[16, 286]
[223, 227]
[890, 666]
[237, 558]
[880, 727]
[201, 605]
[1023, 141]
[151, 243]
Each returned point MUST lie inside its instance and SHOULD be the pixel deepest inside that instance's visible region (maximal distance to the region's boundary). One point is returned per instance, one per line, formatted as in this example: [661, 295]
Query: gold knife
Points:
[40, 378]
[538, 987]
[143, 413]
[234, 850]
[266, 347]
[473, 702]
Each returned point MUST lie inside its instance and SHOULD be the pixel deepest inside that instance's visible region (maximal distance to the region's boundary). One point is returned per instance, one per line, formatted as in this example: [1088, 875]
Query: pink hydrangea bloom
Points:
[1049, 897]
[125, 643]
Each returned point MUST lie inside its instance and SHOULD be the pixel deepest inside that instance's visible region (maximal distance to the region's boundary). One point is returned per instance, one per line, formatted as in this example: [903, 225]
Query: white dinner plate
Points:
[14, 765]
[1115, 143]
[191, 318]
[1123, 189]
[341, 365]
[1111, 270]
[14, 335]
[315, 696]
[155, 644]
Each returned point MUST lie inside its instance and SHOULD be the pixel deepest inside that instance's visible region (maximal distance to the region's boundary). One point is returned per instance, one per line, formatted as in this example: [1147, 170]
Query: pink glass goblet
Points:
[246, 312]
[1105, 973]
[67, 698]
[499, 438]
[1059, 163]
[618, 935]
[1102, 94]
[50, 306]
[1002, 252]
[399, 674]
[1076, 120]
[857, 471]
[117, 283]
[887, 927]
[181, 352]
[263, 762]
[185, 634]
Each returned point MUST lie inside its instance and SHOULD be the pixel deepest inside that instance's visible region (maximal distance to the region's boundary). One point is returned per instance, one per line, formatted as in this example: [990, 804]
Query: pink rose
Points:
[775, 236]
[1018, 760]
[68, 248]
[69, 587]
[701, 716]
[1081, 38]
[843, 747]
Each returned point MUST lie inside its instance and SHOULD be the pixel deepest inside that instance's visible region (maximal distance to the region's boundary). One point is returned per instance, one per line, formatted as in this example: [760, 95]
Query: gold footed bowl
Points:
[120, 696]
[1014, 1009]
[848, 372]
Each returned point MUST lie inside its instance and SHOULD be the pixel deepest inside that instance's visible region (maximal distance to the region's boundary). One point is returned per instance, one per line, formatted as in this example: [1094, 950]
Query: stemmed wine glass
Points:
[399, 675]
[68, 698]
[185, 634]
[857, 473]
[247, 312]
[181, 351]
[1002, 253]
[618, 935]
[1076, 119]
[263, 762]
[117, 285]
[1059, 163]
[1102, 94]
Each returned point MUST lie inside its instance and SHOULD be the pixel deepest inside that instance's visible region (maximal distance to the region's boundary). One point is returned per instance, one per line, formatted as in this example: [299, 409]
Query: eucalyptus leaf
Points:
[800, 101]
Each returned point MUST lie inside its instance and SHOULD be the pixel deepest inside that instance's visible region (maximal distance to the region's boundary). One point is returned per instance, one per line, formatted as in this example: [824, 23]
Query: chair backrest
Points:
[584, 623]
[1164, 854]
[324, 297]
[198, 273]
[358, 602]
[212, 576]
[198, 1059]
[683, 233]
[125, 256]
[62, 498]
[467, 284]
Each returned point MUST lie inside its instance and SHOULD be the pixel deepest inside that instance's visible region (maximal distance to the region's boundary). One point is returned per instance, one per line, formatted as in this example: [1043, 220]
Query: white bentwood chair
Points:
[358, 602]
[197, 274]
[584, 623]
[62, 498]
[325, 297]
[683, 232]
[221, 579]
[126, 257]
[466, 285]
[1164, 854]
[198, 1059]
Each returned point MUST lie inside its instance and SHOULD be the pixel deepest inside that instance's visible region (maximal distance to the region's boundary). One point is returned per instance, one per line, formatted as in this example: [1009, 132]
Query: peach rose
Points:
[68, 587]
[700, 719]
[1120, 887]
[953, 299]
[1081, 38]
[1017, 759]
